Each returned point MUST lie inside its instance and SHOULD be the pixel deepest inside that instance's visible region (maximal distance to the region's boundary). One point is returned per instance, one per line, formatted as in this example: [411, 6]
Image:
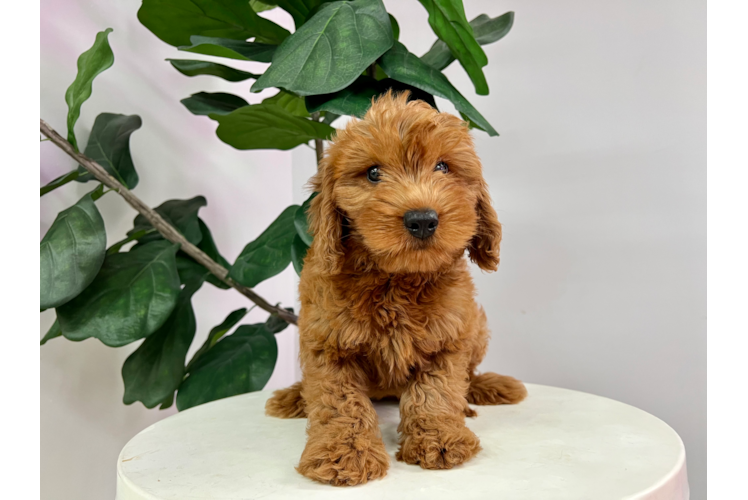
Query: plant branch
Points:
[167, 230]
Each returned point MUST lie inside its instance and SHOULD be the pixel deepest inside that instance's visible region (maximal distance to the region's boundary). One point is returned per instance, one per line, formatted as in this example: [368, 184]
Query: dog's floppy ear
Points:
[484, 247]
[325, 221]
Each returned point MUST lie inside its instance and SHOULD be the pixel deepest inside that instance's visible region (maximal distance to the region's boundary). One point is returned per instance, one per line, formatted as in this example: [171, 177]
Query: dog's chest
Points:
[403, 322]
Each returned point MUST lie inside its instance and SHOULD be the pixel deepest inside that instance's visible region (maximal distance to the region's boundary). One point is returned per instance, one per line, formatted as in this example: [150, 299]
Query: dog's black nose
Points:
[421, 223]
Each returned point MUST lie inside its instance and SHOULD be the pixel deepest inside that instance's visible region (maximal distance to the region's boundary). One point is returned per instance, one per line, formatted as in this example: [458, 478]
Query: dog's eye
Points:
[441, 167]
[373, 174]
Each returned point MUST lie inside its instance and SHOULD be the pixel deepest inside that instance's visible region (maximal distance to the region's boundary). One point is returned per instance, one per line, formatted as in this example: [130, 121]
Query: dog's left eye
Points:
[441, 167]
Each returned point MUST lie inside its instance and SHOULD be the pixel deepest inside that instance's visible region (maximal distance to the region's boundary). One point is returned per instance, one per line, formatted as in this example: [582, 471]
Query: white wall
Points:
[598, 177]
[83, 421]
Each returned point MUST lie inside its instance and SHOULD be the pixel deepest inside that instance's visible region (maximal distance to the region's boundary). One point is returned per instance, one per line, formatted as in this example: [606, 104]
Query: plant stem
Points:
[167, 230]
[60, 181]
[319, 144]
[319, 148]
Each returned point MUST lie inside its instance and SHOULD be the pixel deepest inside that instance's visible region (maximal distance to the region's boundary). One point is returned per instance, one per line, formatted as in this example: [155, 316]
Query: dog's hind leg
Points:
[490, 388]
[286, 403]
[494, 389]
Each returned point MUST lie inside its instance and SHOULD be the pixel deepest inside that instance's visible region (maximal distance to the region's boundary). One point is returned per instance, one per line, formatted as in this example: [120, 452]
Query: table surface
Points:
[557, 444]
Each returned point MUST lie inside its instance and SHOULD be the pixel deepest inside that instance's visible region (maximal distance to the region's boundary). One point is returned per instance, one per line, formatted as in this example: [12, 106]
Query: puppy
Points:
[387, 301]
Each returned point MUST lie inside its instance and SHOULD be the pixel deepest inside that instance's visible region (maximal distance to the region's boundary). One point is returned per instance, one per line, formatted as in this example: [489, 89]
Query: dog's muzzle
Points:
[421, 223]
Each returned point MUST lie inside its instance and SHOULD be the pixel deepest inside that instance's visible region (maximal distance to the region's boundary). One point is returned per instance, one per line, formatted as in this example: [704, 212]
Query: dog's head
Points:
[407, 185]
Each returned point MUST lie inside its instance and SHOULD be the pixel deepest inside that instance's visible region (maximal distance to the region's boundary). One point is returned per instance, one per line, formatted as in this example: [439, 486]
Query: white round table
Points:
[557, 444]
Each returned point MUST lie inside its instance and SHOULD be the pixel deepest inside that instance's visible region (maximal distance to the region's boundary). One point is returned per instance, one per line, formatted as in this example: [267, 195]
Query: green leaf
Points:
[300, 10]
[268, 126]
[379, 73]
[330, 117]
[489, 30]
[447, 19]
[190, 67]
[59, 181]
[92, 62]
[269, 254]
[98, 192]
[182, 214]
[233, 49]
[415, 93]
[356, 99]
[330, 50]
[298, 252]
[129, 299]
[471, 123]
[216, 333]
[259, 6]
[405, 67]
[168, 402]
[241, 362]
[71, 253]
[208, 245]
[109, 146]
[300, 221]
[174, 21]
[116, 247]
[395, 27]
[485, 29]
[220, 103]
[290, 102]
[53, 332]
[275, 324]
[190, 270]
[156, 368]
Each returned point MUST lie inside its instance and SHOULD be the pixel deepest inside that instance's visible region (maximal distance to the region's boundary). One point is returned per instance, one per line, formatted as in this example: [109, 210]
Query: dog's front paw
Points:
[441, 446]
[330, 459]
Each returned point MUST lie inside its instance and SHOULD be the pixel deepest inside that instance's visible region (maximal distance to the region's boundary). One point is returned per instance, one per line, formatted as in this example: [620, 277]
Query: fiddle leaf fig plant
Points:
[340, 56]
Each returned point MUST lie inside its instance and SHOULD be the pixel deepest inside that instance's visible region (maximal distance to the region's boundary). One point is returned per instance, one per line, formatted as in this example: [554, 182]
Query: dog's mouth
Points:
[420, 245]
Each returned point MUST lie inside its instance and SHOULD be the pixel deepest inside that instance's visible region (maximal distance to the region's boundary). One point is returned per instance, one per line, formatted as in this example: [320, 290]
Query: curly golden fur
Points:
[385, 314]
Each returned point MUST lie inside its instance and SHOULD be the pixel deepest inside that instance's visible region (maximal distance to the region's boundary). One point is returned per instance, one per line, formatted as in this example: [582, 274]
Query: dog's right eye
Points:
[373, 174]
